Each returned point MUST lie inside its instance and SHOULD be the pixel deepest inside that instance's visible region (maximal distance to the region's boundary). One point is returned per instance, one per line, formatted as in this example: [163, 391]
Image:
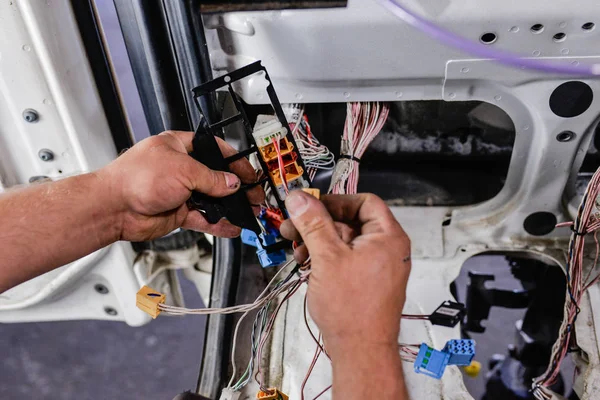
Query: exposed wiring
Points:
[323, 392]
[260, 314]
[291, 291]
[315, 155]
[318, 352]
[586, 222]
[363, 122]
[280, 163]
[448, 38]
[262, 299]
[415, 316]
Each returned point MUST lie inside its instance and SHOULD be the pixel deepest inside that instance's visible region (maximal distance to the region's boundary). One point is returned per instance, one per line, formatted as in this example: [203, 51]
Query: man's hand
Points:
[360, 259]
[151, 183]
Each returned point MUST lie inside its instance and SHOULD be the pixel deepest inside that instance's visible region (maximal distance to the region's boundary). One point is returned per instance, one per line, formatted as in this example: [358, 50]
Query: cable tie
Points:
[350, 158]
[577, 233]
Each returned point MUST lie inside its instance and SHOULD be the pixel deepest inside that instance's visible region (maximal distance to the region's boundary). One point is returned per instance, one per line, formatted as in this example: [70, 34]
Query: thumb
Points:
[313, 222]
[210, 182]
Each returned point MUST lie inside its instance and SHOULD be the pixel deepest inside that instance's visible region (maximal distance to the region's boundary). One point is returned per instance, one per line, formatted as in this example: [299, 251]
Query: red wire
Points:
[280, 162]
[310, 370]
[323, 392]
[309, 134]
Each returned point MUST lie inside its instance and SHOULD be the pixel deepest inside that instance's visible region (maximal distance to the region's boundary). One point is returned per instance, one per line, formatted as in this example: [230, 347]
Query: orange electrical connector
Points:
[268, 152]
[314, 192]
[292, 172]
[271, 394]
[148, 299]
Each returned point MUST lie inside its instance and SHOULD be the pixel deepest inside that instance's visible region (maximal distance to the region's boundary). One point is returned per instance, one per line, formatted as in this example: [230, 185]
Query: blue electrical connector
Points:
[461, 351]
[260, 242]
[431, 362]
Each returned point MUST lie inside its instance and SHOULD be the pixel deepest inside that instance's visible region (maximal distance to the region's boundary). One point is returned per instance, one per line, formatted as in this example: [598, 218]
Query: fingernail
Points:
[296, 204]
[232, 181]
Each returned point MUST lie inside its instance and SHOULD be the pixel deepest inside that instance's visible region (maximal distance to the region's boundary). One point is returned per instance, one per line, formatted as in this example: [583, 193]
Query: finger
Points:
[365, 210]
[184, 139]
[256, 195]
[345, 232]
[289, 231]
[205, 180]
[196, 222]
[301, 254]
[241, 167]
[244, 170]
[313, 222]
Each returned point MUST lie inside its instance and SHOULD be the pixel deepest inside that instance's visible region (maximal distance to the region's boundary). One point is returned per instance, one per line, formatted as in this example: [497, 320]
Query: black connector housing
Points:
[448, 314]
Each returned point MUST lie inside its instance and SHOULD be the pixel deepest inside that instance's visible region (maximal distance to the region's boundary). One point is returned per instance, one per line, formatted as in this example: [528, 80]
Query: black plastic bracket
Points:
[235, 208]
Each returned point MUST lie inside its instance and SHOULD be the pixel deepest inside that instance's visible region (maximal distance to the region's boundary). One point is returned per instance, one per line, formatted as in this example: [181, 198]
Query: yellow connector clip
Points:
[473, 369]
[148, 299]
[316, 193]
[271, 394]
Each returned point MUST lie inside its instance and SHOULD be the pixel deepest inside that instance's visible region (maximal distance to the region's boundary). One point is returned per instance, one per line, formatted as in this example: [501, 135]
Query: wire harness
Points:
[363, 122]
[586, 223]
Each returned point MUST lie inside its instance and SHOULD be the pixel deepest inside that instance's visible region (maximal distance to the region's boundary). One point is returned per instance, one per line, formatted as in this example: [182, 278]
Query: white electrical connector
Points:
[228, 394]
[266, 128]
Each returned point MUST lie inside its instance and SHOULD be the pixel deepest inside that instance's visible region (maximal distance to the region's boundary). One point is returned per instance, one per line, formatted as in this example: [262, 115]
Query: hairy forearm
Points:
[365, 371]
[51, 224]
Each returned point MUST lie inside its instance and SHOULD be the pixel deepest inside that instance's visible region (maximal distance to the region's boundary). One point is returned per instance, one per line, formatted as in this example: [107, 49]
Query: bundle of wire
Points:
[269, 294]
[363, 122]
[315, 155]
[587, 222]
[264, 322]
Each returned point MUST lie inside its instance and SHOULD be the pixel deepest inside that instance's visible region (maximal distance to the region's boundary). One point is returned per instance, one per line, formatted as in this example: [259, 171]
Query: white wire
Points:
[237, 326]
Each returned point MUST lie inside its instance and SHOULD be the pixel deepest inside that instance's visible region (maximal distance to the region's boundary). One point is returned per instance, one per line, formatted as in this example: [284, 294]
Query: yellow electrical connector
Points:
[148, 299]
[271, 394]
[473, 369]
[316, 193]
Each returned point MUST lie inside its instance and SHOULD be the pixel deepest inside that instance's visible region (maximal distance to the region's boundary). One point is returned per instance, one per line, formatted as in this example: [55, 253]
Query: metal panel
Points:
[44, 66]
[363, 53]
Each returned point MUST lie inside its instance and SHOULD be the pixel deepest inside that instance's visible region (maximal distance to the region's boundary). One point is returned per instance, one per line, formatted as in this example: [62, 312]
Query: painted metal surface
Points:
[43, 67]
[358, 53]
[364, 53]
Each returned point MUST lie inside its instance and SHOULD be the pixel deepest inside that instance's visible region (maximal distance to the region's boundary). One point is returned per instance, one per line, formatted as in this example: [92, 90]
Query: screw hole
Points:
[565, 136]
[559, 37]
[100, 288]
[488, 38]
[588, 26]
[227, 79]
[537, 28]
[30, 115]
[46, 155]
[110, 311]
[60, 171]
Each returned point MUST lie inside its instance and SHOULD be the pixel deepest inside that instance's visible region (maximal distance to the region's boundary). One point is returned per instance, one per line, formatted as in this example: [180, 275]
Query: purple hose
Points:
[504, 57]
